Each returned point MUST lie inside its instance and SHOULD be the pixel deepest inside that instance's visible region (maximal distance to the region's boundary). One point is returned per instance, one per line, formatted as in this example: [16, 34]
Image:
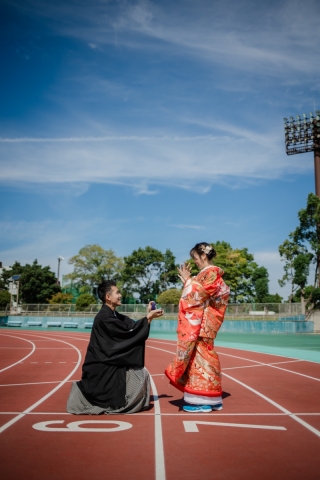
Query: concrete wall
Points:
[315, 318]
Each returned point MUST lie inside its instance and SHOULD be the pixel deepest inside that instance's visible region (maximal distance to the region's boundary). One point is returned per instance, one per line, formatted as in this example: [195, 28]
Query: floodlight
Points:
[303, 135]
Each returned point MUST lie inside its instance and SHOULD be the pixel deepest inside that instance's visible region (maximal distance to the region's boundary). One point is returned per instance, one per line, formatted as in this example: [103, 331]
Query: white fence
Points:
[242, 311]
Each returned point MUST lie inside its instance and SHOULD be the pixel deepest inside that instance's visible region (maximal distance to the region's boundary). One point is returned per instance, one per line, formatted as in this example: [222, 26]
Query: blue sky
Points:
[134, 123]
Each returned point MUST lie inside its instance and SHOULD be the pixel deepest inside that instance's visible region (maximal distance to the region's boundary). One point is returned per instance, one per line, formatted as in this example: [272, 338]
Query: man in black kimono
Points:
[114, 379]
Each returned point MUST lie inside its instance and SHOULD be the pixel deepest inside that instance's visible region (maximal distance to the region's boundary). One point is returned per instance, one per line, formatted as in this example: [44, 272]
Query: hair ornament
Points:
[207, 249]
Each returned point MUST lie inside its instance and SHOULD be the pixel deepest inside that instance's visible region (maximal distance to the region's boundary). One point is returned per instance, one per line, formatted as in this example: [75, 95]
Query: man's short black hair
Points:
[104, 288]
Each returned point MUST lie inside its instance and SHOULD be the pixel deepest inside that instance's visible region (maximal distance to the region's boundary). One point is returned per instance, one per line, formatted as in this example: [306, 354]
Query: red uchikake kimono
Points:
[196, 367]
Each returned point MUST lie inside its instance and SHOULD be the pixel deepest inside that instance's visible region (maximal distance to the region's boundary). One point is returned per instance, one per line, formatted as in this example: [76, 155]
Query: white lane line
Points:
[39, 348]
[258, 364]
[47, 362]
[275, 404]
[15, 348]
[173, 344]
[191, 426]
[31, 383]
[185, 414]
[24, 358]
[28, 410]
[264, 353]
[261, 365]
[271, 366]
[70, 337]
[161, 349]
[159, 453]
[167, 342]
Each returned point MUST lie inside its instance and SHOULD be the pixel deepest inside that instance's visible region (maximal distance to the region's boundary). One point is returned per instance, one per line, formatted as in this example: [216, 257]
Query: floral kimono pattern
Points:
[196, 367]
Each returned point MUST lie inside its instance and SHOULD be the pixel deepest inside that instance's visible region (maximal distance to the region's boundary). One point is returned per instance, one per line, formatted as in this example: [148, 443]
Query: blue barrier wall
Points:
[48, 322]
[158, 326]
[244, 326]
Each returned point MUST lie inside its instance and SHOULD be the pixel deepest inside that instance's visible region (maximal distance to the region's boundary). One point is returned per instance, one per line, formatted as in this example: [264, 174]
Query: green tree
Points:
[4, 298]
[294, 257]
[94, 264]
[274, 298]
[169, 297]
[84, 301]
[260, 280]
[60, 297]
[36, 284]
[300, 252]
[148, 272]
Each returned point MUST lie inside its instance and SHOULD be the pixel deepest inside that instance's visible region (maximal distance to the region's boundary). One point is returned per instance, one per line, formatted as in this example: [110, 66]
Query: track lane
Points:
[237, 453]
[46, 396]
[215, 451]
[15, 352]
[277, 378]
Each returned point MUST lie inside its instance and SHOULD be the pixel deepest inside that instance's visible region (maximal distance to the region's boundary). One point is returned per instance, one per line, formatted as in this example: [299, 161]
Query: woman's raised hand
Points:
[184, 272]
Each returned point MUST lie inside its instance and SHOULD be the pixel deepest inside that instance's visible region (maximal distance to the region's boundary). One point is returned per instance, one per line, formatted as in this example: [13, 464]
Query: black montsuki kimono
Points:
[116, 344]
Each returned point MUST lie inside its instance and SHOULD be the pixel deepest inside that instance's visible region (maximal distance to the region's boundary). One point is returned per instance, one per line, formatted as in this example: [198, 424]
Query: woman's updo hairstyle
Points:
[203, 247]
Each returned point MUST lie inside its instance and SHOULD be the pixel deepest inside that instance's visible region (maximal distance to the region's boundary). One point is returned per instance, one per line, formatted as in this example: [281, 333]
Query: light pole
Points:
[14, 292]
[303, 135]
[59, 260]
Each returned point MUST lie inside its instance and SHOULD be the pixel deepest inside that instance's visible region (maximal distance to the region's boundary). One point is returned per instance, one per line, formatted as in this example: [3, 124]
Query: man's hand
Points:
[154, 314]
[149, 308]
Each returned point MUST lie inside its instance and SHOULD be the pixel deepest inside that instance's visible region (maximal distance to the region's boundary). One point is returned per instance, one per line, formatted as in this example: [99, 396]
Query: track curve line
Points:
[267, 399]
[21, 360]
[28, 410]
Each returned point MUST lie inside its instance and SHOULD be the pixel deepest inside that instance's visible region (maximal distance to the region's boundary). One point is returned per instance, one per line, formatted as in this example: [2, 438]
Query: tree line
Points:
[146, 274]
[300, 253]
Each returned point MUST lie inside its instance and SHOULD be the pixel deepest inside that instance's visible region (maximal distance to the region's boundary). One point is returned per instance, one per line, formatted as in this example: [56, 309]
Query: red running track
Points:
[269, 428]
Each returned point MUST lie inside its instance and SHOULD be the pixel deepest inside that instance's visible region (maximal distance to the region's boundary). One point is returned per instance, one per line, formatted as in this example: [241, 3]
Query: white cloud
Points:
[185, 162]
[182, 225]
[46, 240]
[275, 38]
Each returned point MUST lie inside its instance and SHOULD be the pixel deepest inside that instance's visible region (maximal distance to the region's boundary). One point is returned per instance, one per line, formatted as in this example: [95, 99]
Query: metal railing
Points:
[243, 311]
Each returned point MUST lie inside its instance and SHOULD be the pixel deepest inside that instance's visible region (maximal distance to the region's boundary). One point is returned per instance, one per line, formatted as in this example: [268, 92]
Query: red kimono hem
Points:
[204, 393]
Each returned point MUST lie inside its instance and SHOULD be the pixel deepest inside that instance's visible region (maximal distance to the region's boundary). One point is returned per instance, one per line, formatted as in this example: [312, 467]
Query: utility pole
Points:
[14, 295]
[59, 260]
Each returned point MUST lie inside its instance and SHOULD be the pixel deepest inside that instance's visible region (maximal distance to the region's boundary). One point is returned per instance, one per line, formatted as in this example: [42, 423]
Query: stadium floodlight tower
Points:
[302, 135]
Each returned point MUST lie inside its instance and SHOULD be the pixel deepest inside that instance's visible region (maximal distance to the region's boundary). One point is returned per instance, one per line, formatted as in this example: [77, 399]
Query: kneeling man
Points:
[114, 379]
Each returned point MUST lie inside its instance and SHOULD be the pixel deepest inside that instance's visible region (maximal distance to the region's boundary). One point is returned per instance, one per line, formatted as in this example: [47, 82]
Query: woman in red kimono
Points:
[195, 370]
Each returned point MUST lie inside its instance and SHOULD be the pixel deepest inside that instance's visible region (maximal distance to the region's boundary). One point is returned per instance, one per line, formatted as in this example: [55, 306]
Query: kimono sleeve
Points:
[124, 346]
[211, 280]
